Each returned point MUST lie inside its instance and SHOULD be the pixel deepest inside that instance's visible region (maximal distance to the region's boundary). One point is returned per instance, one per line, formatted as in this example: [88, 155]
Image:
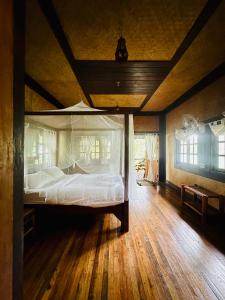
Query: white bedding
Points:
[94, 190]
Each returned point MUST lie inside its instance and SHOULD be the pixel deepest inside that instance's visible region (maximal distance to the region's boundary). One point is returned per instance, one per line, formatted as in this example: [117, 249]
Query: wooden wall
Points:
[205, 105]
[146, 124]
[6, 150]
[11, 147]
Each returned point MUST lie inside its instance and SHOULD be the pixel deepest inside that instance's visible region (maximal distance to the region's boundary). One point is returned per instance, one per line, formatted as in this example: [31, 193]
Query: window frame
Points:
[207, 149]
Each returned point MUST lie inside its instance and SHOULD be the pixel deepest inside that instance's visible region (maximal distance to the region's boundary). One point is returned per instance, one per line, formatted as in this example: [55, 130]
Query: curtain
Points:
[39, 148]
[152, 157]
[218, 127]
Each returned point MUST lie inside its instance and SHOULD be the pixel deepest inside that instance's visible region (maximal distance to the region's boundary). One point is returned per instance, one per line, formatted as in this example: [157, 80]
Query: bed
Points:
[99, 142]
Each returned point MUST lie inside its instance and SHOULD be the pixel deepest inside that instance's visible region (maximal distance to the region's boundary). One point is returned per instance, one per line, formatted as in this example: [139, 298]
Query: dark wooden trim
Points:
[35, 86]
[103, 112]
[18, 138]
[202, 84]
[145, 101]
[60, 113]
[162, 148]
[53, 20]
[199, 23]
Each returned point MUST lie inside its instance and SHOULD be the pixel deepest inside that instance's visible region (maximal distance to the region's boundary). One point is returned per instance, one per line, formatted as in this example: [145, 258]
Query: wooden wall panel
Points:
[11, 147]
[6, 150]
[146, 124]
[207, 104]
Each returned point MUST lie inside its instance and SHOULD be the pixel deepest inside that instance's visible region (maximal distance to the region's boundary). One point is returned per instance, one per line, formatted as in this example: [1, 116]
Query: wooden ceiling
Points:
[70, 48]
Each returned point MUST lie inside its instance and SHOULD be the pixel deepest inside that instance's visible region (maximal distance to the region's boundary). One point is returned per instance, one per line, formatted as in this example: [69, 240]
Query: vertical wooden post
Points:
[162, 148]
[125, 223]
[12, 43]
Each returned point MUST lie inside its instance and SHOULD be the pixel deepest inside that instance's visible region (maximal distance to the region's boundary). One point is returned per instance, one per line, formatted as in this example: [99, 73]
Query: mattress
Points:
[93, 190]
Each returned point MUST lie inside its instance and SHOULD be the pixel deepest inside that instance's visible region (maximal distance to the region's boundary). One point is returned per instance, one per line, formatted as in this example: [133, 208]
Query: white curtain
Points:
[152, 156]
[39, 148]
[218, 127]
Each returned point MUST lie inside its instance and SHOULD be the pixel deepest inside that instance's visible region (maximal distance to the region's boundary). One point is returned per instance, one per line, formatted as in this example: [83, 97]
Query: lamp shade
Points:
[121, 54]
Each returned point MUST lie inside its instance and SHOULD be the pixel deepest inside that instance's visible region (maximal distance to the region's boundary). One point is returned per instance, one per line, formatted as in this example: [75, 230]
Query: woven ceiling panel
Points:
[45, 61]
[120, 100]
[153, 29]
[206, 52]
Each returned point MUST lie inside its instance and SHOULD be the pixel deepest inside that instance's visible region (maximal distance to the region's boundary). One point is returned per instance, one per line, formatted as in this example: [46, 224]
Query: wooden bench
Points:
[203, 195]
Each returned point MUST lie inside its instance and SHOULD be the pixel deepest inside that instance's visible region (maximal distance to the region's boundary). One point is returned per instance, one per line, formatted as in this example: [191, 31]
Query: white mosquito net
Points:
[74, 144]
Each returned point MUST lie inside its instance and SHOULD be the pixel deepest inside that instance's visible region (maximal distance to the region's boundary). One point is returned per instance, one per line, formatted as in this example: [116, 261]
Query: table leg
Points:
[221, 204]
[182, 194]
[204, 208]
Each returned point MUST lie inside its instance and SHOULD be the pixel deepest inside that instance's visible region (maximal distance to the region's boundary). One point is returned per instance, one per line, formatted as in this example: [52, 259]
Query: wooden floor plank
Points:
[165, 255]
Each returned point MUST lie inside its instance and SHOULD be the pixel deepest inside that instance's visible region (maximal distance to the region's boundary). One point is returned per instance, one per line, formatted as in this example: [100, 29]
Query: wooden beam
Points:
[202, 84]
[35, 86]
[199, 23]
[49, 11]
[145, 101]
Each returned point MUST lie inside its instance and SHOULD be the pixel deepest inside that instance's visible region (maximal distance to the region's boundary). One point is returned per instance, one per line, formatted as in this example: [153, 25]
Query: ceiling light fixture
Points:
[121, 54]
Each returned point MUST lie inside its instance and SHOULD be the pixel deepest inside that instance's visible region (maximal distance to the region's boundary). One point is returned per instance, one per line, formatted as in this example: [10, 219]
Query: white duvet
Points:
[94, 190]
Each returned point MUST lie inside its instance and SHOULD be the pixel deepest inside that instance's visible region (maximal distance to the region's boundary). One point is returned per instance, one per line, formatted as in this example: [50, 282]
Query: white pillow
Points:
[55, 172]
[38, 180]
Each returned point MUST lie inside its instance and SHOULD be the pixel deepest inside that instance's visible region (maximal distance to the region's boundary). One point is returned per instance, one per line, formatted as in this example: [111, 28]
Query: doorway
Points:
[146, 158]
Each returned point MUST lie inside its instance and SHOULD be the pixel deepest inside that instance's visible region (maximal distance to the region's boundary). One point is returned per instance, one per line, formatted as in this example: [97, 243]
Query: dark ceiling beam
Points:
[49, 11]
[145, 101]
[199, 23]
[217, 73]
[36, 87]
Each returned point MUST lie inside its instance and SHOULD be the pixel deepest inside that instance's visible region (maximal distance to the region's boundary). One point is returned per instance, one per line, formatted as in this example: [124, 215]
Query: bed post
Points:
[125, 213]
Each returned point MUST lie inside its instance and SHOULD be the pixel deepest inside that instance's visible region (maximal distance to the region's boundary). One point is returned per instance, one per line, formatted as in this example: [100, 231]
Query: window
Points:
[202, 154]
[193, 150]
[95, 148]
[188, 151]
[183, 152]
[40, 149]
[221, 152]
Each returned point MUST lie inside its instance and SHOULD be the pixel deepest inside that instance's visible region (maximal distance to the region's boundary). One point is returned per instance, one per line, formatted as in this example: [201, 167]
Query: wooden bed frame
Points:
[121, 211]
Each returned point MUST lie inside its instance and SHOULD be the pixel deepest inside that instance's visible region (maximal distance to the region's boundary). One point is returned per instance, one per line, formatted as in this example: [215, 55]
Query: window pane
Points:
[221, 138]
[195, 160]
[185, 158]
[195, 149]
[221, 162]
[221, 148]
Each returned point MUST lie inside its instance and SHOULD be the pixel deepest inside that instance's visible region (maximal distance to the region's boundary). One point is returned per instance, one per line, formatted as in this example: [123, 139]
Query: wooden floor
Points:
[164, 256]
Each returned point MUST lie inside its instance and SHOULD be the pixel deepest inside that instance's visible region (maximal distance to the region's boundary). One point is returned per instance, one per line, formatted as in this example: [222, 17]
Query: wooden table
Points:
[203, 195]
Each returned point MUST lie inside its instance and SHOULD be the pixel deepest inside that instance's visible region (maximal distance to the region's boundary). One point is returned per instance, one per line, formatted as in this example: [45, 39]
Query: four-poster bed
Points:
[100, 193]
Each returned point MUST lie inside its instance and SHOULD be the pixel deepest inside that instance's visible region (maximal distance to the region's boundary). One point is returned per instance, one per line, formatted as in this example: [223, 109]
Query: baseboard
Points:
[173, 186]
